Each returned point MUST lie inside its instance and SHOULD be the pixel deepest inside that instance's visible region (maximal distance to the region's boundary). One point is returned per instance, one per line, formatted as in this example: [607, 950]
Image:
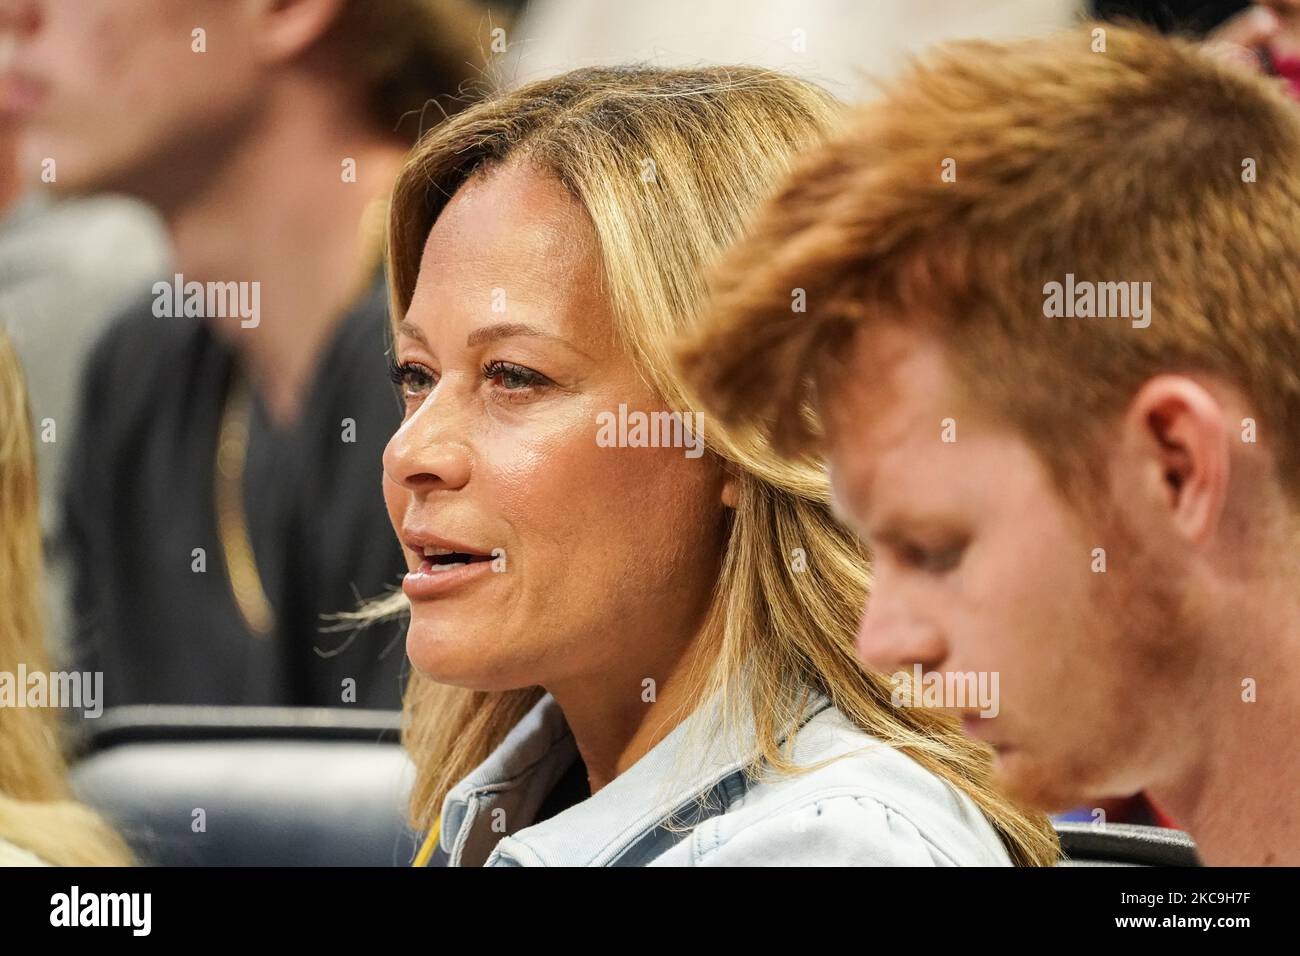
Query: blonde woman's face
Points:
[571, 560]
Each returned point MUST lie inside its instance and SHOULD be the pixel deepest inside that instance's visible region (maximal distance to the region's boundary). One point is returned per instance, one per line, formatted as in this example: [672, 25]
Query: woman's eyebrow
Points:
[487, 333]
[410, 330]
[503, 330]
[506, 330]
[492, 333]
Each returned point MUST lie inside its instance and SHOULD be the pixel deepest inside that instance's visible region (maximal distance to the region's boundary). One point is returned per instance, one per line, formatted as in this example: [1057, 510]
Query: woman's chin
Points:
[456, 659]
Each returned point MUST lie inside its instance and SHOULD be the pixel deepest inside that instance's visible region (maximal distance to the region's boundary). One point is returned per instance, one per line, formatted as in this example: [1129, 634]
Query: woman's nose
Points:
[429, 451]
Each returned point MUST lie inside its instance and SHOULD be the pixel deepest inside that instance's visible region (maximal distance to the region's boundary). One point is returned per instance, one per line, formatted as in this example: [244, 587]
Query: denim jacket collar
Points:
[605, 829]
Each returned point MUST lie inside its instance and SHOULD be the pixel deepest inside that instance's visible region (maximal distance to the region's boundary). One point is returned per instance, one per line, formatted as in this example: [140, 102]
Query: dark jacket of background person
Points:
[156, 614]
[224, 495]
[66, 269]
[1196, 17]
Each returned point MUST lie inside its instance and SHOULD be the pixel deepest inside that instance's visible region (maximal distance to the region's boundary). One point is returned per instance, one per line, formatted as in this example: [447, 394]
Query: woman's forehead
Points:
[517, 221]
[514, 246]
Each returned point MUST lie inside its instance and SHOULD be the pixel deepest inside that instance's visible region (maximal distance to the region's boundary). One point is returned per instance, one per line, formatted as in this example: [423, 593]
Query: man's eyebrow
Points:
[888, 533]
[838, 511]
[846, 495]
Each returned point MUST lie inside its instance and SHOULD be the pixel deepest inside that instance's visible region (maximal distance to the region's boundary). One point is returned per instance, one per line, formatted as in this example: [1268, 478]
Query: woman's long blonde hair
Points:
[669, 165]
[37, 811]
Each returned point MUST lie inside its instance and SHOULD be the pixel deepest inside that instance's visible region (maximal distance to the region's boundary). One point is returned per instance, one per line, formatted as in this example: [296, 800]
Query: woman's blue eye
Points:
[513, 377]
[412, 379]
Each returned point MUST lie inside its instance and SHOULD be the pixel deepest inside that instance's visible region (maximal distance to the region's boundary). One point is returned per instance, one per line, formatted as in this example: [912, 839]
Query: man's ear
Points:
[1182, 436]
[730, 486]
[285, 29]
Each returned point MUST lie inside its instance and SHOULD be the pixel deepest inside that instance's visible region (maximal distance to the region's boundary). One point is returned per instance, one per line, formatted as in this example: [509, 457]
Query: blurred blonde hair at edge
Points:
[37, 812]
[721, 141]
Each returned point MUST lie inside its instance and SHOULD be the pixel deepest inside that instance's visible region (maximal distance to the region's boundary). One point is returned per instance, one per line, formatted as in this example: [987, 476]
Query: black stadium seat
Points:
[1125, 844]
[271, 786]
[328, 787]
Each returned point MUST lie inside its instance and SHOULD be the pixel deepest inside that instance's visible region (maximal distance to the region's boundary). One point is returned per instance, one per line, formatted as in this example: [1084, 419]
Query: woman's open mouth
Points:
[441, 560]
[442, 569]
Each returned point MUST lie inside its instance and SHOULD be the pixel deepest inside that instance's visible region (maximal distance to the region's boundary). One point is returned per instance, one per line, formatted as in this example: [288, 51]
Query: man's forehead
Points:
[889, 389]
[886, 378]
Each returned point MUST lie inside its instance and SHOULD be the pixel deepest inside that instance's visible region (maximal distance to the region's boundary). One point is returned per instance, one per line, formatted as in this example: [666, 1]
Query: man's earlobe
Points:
[1186, 428]
[287, 28]
[731, 490]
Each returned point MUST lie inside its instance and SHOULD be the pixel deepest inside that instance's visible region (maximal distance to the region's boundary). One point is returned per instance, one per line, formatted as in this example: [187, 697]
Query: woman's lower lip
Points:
[424, 585]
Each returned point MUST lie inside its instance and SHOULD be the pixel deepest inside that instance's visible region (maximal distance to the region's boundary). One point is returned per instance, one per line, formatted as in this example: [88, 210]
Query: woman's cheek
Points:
[395, 501]
[538, 455]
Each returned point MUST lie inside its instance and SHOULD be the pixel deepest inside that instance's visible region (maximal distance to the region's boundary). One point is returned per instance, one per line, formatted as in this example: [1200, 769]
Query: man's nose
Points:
[19, 20]
[894, 636]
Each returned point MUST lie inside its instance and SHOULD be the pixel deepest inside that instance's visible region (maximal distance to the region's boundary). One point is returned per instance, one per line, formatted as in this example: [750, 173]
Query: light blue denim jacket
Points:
[877, 807]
